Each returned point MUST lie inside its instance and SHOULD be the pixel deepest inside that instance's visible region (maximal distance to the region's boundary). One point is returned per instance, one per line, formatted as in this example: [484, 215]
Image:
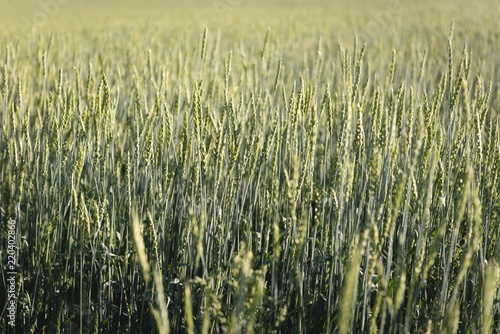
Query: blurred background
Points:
[351, 16]
[79, 11]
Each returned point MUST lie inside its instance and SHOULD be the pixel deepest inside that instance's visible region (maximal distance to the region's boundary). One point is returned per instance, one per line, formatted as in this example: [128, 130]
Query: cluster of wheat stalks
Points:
[195, 182]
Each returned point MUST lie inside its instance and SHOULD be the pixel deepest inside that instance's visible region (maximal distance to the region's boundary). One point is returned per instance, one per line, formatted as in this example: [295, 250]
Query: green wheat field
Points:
[237, 166]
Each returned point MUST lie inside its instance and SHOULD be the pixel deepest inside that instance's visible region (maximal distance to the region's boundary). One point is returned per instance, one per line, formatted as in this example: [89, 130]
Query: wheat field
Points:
[250, 167]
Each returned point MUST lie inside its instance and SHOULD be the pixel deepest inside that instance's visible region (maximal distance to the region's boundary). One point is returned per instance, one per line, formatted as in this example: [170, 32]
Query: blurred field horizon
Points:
[81, 11]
